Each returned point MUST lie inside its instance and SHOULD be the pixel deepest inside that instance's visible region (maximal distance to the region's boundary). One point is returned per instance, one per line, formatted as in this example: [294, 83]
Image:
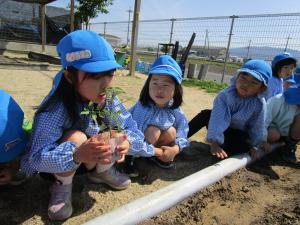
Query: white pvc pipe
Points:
[163, 199]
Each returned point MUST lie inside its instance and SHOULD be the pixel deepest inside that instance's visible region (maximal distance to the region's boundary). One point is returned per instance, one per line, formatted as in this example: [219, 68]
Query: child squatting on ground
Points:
[236, 122]
[13, 140]
[283, 121]
[283, 66]
[158, 113]
[63, 139]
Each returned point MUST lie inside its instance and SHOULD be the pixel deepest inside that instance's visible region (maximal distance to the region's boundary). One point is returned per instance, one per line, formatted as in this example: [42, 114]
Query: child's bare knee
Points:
[273, 135]
[152, 134]
[75, 136]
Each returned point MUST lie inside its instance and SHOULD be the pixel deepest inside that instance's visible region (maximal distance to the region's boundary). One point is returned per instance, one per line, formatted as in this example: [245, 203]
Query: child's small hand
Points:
[169, 153]
[254, 154]
[158, 152]
[122, 148]
[94, 150]
[216, 150]
[266, 147]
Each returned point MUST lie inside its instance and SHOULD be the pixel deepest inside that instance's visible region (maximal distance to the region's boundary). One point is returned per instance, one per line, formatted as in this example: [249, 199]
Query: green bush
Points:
[208, 86]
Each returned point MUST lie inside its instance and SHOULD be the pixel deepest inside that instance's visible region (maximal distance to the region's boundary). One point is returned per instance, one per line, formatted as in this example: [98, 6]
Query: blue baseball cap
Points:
[86, 51]
[292, 95]
[281, 57]
[259, 69]
[290, 79]
[12, 137]
[166, 65]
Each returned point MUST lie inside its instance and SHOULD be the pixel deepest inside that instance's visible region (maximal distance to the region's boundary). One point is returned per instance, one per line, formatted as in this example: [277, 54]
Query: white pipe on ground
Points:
[163, 199]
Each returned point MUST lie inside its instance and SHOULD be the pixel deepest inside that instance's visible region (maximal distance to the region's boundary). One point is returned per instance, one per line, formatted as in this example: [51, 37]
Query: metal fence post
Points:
[104, 29]
[228, 46]
[172, 27]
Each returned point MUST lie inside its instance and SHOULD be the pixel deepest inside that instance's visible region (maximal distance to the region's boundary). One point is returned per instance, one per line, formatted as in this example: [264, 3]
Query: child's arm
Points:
[220, 120]
[46, 155]
[182, 129]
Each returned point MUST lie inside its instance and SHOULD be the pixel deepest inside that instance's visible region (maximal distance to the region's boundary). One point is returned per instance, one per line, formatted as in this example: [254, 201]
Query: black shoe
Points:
[289, 151]
[162, 164]
[130, 167]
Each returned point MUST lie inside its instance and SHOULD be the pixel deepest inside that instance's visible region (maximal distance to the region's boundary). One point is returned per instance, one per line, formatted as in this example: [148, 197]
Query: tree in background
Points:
[87, 9]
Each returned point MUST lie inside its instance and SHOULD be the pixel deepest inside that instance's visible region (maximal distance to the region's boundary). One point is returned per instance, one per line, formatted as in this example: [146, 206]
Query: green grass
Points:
[208, 86]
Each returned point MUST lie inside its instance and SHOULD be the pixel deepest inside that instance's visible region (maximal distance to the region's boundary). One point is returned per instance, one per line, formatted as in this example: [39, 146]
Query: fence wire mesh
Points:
[20, 21]
[253, 36]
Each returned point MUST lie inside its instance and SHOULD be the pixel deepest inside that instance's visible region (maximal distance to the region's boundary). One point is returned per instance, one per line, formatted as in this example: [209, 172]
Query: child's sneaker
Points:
[18, 179]
[129, 167]
[111, 177]
[289, 151]
[60, 204]
[162, 164]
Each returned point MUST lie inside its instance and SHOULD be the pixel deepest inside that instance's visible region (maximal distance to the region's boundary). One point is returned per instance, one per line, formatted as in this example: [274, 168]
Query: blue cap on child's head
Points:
[87, 51]
[290, 79]
[281, 57]
[259, 69]
[292, 95]
[12, 137]
[166, 65]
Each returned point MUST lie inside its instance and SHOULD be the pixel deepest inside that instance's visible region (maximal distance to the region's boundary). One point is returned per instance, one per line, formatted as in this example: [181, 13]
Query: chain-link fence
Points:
[20, 21]
[250, 36]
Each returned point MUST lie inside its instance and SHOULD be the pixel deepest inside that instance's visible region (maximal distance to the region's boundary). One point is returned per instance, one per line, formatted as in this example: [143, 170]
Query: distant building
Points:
[112, 39]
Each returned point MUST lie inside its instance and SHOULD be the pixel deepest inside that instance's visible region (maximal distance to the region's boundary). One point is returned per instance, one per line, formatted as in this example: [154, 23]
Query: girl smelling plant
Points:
[63, 139]
[159, 116]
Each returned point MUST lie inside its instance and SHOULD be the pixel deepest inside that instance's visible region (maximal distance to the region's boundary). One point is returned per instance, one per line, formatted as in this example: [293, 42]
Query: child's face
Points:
[286, 71]
[161, 89]
[93, 88]
[248, 86]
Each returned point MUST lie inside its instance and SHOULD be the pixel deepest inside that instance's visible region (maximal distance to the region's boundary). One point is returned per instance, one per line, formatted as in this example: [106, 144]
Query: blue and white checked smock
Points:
[47, 155]
[231, 110]
[163, 118]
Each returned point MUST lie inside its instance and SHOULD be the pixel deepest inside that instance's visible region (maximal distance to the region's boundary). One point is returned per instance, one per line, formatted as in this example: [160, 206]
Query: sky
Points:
[167, 9]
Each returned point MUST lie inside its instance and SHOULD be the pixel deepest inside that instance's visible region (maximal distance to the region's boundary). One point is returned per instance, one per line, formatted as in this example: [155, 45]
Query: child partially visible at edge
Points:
[283, 66]
[63, 139]
[236, 122]
[13, 140]
[158, 113]
[283, 121]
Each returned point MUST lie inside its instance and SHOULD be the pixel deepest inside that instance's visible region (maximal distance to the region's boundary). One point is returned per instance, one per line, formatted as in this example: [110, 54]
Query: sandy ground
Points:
[268, 192]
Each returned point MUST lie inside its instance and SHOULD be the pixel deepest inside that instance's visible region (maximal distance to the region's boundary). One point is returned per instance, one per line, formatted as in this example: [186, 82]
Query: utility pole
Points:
[72, 16]
[248, 50]
[206, 44]
[287, 42]
[134, 35]
[129, 12]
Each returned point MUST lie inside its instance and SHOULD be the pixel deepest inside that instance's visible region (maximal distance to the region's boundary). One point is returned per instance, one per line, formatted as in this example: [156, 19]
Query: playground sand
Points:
[266, 193]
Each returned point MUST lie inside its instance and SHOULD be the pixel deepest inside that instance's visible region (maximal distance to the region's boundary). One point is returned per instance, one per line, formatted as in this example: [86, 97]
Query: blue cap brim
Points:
[166, 71]
[254, 74]
[97, 66]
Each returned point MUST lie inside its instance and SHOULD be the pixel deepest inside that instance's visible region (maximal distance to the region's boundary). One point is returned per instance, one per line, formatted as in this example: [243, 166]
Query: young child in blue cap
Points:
[63, 138]
[158, 113]
[283, 121]
[236, 122]
[283, 66]
[13, 140]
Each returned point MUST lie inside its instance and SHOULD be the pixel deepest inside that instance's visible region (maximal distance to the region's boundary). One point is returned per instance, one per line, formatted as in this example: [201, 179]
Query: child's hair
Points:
[145, 98]
[280, 61]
